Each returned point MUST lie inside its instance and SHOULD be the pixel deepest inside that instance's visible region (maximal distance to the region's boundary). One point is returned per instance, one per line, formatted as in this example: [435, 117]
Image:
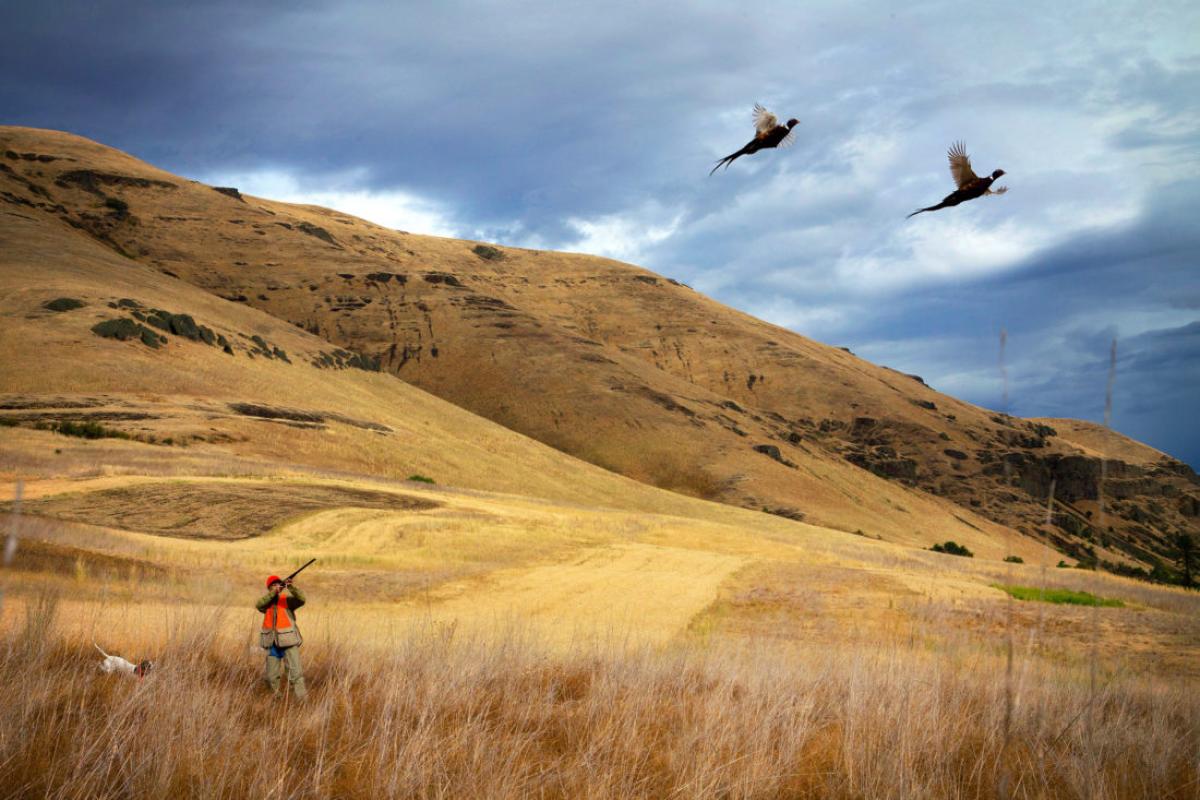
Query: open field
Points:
[410, 552]
[460, 642]
[433, 712]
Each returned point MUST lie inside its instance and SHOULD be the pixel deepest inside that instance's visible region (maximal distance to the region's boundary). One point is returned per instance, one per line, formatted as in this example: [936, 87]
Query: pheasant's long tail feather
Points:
[726, 161]
[923, 210]
[751, 147]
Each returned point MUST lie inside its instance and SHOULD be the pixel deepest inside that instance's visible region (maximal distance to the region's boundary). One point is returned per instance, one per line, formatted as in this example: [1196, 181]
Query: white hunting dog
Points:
[112, 664]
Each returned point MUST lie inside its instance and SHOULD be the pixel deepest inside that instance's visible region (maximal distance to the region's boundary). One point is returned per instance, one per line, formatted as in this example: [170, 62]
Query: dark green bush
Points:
[421, 479]
[952, 548]
[1014, 559]
[84, 430]
[487, 253]
[125, 329]
[1160, 574]
[63, 304]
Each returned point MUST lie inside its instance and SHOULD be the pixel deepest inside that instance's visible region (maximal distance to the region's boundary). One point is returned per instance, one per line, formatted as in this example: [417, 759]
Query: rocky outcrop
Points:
[771, 451]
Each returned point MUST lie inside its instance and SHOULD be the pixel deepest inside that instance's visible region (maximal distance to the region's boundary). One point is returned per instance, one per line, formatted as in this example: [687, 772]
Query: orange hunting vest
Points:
[278, 627]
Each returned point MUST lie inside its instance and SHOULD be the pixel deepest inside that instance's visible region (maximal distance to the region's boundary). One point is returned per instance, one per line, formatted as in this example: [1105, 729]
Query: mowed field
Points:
[394, 554]
[470, 643]
[387, 556]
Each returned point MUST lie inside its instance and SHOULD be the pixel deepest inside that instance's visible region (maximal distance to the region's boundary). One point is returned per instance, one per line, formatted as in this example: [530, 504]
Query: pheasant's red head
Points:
[793, 123]
[997, 173]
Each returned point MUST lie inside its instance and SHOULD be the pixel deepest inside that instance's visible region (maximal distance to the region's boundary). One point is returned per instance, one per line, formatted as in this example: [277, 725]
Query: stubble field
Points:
[464, 643]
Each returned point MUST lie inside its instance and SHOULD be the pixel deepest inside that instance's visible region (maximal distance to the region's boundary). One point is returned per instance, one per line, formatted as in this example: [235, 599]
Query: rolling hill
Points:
[331, 321]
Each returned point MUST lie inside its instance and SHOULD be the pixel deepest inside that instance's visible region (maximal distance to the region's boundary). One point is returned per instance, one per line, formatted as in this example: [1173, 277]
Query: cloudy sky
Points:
[592, 127]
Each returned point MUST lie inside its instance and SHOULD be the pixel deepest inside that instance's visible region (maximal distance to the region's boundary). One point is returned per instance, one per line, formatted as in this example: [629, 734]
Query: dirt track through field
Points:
[641, 590]
[628, 594]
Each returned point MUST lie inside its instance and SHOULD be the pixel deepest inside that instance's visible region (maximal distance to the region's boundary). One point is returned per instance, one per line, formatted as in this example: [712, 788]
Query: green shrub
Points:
[1160, 574]
[63, 304]
[125, 329]
[421, 479]
[952, 548]
[122, 329]
[152, 339]
[487, 253]
[1067, 596]
[1014, 559]
[83, 430]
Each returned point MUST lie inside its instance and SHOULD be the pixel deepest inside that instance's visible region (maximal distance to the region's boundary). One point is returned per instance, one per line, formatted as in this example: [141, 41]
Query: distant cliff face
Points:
[625, 369]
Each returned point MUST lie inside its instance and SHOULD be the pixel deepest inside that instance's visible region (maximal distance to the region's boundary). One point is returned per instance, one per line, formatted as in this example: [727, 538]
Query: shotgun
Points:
[297, 572]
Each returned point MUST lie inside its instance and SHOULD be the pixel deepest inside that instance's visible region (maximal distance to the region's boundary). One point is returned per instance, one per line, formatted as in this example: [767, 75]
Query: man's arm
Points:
[297, 598]
[265, 601]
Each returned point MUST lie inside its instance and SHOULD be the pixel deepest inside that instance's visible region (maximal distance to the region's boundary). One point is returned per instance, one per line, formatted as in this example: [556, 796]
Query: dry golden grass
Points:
[569, 570]
[1096, 439]
[505, 646]
[432, 712]
[601, 360]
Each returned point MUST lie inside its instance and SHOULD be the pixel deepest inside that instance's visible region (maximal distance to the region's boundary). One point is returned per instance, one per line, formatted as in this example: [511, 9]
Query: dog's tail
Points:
[98, 648]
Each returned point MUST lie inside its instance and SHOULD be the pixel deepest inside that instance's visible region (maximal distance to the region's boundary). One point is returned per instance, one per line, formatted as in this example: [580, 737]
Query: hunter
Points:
[280, 637]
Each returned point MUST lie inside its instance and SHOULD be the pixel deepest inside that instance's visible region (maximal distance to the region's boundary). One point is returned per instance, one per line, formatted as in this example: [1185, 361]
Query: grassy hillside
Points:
[191, 406]
[615, 365]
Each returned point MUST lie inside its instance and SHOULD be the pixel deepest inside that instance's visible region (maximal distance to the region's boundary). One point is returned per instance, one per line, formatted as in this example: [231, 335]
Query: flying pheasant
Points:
[969, 184]
[768, 133]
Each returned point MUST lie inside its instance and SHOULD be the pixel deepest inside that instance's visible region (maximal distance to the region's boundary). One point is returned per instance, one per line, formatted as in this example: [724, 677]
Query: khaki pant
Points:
[291, 657]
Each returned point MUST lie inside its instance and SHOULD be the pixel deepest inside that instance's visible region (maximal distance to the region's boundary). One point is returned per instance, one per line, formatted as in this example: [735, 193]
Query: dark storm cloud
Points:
[495, 106]
[591, 127]
[1061, 310]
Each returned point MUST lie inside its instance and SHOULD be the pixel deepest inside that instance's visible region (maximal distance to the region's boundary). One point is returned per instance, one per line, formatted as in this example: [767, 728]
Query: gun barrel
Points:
[297, 572]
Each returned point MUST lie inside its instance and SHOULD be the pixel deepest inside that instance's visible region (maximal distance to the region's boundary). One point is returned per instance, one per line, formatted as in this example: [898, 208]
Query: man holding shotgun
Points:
[279, 636]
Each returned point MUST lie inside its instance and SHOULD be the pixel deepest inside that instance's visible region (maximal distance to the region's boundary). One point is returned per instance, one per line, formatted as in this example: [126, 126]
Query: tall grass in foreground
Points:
[437, 716]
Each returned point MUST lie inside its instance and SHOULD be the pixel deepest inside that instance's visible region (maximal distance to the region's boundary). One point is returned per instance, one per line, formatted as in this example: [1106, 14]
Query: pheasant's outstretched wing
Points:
[960, 166]
[764, 121]
[997, 190]
[788, 140]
